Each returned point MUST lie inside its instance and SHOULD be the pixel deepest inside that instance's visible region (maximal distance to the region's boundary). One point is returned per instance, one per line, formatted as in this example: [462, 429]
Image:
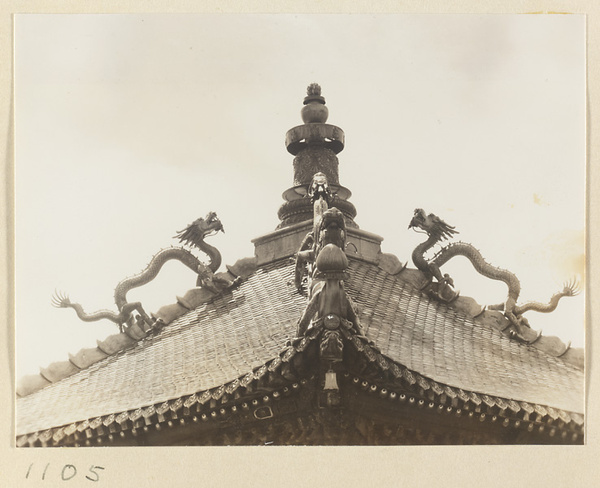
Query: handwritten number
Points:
[62, 474]
[92, 468]
[69, 472]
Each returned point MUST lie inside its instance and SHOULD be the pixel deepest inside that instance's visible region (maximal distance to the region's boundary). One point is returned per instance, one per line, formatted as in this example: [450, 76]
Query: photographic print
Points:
[299, 230]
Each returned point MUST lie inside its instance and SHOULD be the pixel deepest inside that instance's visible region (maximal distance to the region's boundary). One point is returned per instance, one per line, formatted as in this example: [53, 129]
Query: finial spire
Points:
[315, 145]
[314, 110]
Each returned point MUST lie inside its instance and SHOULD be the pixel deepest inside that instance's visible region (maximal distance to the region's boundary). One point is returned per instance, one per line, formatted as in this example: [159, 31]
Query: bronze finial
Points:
[314, 110]
[313, 95]
[313, 89]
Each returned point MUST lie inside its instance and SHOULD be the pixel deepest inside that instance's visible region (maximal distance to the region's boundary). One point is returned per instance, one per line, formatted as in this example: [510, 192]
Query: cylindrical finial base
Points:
[315, 159]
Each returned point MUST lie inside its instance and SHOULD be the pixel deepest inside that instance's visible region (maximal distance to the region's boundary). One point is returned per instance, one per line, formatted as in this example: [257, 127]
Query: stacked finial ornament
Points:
[314, 110]
[315, 145]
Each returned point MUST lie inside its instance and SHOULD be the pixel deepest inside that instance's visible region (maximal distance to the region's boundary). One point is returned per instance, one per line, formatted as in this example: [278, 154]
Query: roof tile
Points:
[168, 313]
[59, 370]
[31, 383]
[115, 343]
[86, 357]
[194, 298]
[390, 263]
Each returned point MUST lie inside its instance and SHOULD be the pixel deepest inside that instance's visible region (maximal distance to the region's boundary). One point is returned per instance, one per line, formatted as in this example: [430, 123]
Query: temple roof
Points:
[246, 326]
[241, 325]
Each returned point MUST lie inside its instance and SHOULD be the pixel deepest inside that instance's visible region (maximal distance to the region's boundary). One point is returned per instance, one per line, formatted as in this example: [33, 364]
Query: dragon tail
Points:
[570, 289]
[61, 300]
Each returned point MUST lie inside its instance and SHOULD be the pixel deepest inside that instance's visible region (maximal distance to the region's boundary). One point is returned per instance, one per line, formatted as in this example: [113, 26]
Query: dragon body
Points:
[151, 271]
[481, 266]
[437, 231]
[192, 235]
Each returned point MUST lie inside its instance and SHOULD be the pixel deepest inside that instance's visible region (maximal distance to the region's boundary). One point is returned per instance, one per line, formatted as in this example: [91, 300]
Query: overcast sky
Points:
[129, 127]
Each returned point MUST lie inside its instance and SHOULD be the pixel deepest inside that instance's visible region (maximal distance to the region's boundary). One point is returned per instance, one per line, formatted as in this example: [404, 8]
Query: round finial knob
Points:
[313, 89]
[314, 110]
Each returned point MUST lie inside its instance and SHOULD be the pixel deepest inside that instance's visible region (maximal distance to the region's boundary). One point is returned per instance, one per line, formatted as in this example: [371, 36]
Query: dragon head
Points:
[432, 224]
[212, 223]
[200, 228]
[332, 228]
[332, 217]
[319, 187]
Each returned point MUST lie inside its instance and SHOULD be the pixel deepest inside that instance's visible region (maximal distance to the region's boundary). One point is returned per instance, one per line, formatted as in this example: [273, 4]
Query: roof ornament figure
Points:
[319, 189]
[193, 235]
[438, 230]
[330, 314]
[321, 196]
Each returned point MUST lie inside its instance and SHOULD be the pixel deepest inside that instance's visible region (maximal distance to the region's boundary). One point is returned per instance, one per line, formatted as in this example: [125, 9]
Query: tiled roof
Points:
[444, 344]
[247, 326]
[204, 348]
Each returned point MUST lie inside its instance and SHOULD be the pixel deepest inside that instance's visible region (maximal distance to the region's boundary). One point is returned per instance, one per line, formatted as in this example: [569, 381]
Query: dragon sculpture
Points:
[437, 231]
[193, 235]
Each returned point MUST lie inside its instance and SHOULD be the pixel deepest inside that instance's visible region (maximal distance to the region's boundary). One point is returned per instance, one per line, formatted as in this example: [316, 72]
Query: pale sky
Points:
[129, 127]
